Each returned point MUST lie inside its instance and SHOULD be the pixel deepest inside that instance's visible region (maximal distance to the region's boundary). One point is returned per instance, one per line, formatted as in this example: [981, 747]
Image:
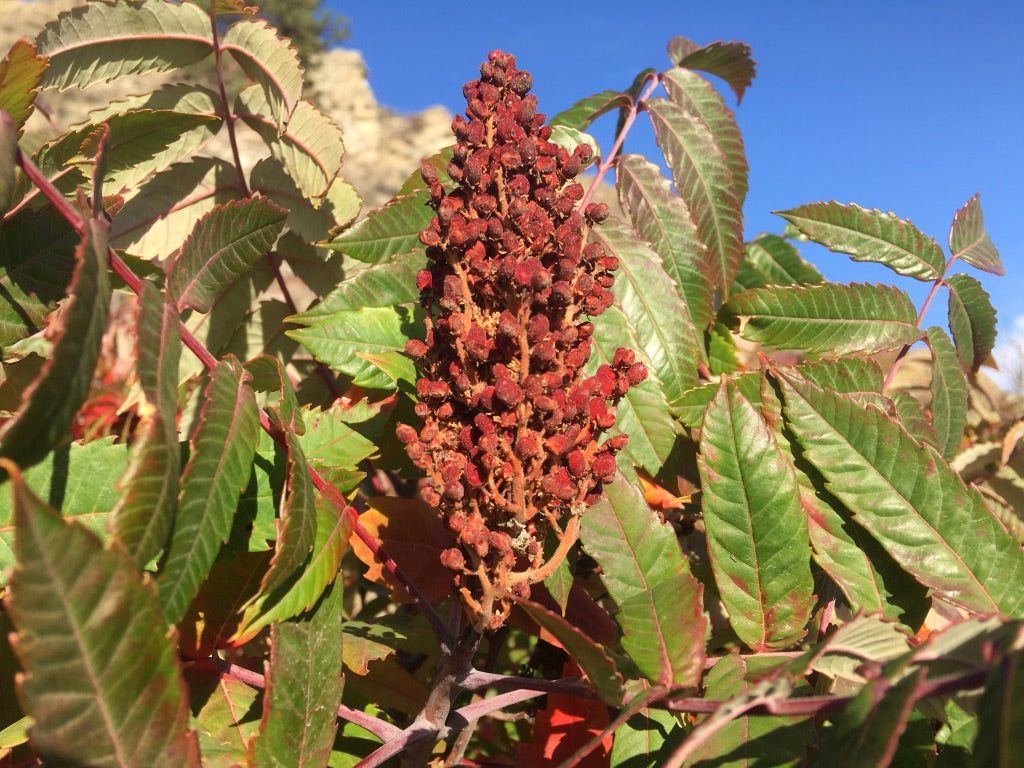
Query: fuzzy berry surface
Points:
[512, 441]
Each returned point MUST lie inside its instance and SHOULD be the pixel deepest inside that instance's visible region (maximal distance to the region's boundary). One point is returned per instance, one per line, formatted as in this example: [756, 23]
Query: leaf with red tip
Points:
[730, 61]
[643, 568]
[223, 245]
[21, 72]
[103, 682]
[969, 241]
[53, 399]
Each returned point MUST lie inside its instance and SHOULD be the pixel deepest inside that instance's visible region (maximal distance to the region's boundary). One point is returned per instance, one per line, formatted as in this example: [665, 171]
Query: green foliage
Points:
[757, 584]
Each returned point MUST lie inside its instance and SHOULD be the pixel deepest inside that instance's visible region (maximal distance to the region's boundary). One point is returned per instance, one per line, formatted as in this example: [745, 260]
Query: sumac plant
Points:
[495, 474]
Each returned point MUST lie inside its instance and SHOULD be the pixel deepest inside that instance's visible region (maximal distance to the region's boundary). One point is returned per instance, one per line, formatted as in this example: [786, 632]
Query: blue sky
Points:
[910, 107]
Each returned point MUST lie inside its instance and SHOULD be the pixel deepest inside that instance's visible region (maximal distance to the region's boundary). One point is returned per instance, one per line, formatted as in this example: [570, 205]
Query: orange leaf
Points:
[410, 533]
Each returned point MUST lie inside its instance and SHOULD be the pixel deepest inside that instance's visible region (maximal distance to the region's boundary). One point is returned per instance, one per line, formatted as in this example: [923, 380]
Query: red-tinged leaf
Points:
[1000, 738]
[756, 529]
[98, 42]
[102, 682]
[218, 470]
[972, 321]
[303, 692]
[585, 111]
[705, 182]
[909, 499]
[592, 658]
[222, 246]
[268, 59]
[21, 72]
[227, 715]
[565, 725]
[145, 512]
[268, 375]
[730, 61]
[643, 568]
[333, 528]
[870, 235]
[695, 94]
[647, 297]
[867, 733]
[215, 614]
[949, 394]
[50, 403]
[661, 218]
[8, 161]
[770, 260]
[389, 231]
[830, 318]
[969, 242]
[412, 534]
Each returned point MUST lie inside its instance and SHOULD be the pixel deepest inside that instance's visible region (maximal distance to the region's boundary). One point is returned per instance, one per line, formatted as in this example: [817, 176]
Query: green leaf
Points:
[644, 571]
[66, 378]
[223, 245]
[647, 739]
[269, 60]
[593, 659]
[723, 353]
[145, 511]
[156, 221]
[770, 260]
[337, 210]
[643, 412]
[909, 499]
[227, 713]
[861, 640]
[333, 527]
[647, 296]
[830, 318]
[268, 375]
[969, 242]
[103, 683]
[730, 61]
[98, 42]
[870, 235]
[697, 96]
[391, 230]
[972, 321]
[8, 161]
[37, 261]
[21, 73]
[344, 435]
[867, 732]
[756, 529]
[303, 688]
[949, 393]
[1000, 738]
[365, 642]
[309, 146]
[660, 217]
[705, 182]
[585, 111]
[218, 469]
[348, 340]
[383, 285]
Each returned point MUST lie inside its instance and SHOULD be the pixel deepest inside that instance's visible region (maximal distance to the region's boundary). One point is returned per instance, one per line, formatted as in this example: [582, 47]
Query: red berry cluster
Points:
[510, 441]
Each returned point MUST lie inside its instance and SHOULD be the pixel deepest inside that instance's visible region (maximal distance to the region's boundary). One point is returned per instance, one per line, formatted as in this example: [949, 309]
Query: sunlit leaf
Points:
[227, 713]
[661, 218]
[830, 318]
[269, 60]
[969, 242]
[217, 471]
[770, 260]
[145, 512]
[730, 61]
[949, 393]
[303, 687]
[21, 72]
[66, 378]
[849, 651]
[269, 376]
[382, 285]
[342, 436]
[705, 182]
[648, 298]
[723, 352]
[83, 615]
[870, 235]
[909, 499]
[391, 230]
[972, 320]
[756, 529]
[643, 568]
[338, 209]
[696, 95]
[585, 111]
[99, 41]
